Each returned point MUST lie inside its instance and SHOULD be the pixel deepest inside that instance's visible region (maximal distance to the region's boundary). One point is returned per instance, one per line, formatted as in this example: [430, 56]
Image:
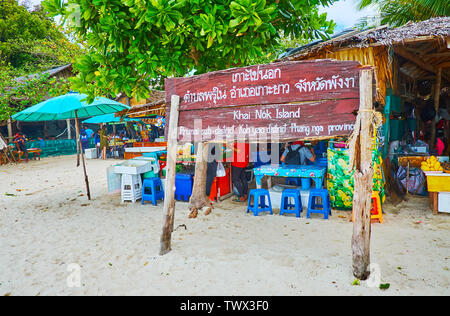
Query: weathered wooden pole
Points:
[169, 192]
[10, 132]
[69, 131]
[437, 92]
[363, 178]
[80, 150]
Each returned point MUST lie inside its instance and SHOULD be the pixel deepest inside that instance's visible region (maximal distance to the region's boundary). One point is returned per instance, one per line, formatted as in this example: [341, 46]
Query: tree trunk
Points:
[198, 198]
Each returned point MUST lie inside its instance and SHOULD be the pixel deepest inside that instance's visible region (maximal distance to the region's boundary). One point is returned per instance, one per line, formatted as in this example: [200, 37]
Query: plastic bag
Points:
[220, 170]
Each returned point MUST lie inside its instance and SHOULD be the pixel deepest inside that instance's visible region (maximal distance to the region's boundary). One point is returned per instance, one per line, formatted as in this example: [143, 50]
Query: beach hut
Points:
[412, 71]
[406, 61]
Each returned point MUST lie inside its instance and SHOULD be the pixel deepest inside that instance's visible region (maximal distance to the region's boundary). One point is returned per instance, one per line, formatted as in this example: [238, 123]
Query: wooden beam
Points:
[442, 54]
[415, 59]
[169, 190]
[444, 65]
[437, 92]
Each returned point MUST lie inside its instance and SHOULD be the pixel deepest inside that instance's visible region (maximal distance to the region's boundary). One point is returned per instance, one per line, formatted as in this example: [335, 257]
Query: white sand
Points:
[48, 225]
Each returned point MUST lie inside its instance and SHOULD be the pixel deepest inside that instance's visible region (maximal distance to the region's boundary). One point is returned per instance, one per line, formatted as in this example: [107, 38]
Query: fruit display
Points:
[432, 164]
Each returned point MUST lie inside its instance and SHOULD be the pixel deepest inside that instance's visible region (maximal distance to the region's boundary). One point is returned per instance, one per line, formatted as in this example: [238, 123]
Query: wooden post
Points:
[10, 133]
[363, 178]
[77, 126]
[169, 194]
[437, 91]
[69, 131]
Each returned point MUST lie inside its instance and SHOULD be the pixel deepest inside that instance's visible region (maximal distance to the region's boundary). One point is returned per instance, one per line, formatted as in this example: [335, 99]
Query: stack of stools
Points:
[259, 205]
[376, 212]
[131, 187]
[152, 190]
[314, 207]
[183, 187]
[286, 205]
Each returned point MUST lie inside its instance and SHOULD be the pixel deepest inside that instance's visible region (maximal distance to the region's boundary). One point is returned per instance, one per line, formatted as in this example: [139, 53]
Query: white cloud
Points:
[346, 14]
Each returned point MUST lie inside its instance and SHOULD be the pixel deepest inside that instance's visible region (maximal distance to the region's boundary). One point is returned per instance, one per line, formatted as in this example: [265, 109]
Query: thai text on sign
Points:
[295, 99]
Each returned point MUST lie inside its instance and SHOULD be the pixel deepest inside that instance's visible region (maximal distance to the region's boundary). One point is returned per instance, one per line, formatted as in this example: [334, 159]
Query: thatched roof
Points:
[62, 71]
[154, 104]
[381, 36]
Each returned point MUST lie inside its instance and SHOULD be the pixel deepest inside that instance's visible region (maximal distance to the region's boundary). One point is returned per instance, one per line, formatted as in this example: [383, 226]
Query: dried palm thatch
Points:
[375, 47]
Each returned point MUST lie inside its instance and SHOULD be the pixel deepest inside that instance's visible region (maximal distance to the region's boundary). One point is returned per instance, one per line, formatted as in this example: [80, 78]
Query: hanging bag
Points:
[220, 170]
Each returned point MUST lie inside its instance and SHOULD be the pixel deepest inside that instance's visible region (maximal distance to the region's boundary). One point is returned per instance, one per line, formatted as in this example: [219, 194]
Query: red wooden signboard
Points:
[305, 99]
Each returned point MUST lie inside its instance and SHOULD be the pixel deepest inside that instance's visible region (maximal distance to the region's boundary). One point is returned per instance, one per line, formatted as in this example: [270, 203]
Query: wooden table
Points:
[304, 171]
[35, 152]
[437, 183]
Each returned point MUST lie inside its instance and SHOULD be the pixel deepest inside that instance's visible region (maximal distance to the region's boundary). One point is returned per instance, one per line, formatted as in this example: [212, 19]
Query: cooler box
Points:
[444, 202]
[91, 153]
[277, 191]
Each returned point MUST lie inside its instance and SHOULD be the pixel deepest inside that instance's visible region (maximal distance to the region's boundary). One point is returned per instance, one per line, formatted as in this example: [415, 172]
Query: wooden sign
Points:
[303, 99]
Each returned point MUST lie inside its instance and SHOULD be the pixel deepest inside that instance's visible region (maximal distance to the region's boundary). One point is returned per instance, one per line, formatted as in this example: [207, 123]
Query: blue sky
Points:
[343, 12]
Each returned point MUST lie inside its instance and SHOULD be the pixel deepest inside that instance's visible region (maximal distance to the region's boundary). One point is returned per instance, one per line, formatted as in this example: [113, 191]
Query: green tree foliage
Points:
[400, 12]
[134, 42]
[30, 41]
[15, 96]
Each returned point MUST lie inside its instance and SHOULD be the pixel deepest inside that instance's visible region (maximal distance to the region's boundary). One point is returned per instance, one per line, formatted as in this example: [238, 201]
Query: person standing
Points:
[241, 153]
[84, 140]
[89, 132]
[103, 141]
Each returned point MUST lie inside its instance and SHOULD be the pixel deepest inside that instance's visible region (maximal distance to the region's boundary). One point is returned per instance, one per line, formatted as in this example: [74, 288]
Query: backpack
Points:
[293, 156]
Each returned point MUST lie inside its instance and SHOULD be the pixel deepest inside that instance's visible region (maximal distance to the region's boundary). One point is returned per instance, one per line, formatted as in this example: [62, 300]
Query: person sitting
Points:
[296, 154]
[21, 144]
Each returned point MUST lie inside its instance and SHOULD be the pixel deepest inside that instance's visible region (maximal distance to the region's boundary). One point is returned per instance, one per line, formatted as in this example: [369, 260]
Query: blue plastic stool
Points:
[293, 181]
[154, 185]
[314, 207]
[259, 201]
[286, 206]
[183, 187]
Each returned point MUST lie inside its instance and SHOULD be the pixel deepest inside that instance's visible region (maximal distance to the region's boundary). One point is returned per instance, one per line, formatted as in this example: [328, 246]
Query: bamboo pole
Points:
[80, 152]
[169, 194]
[363, 178]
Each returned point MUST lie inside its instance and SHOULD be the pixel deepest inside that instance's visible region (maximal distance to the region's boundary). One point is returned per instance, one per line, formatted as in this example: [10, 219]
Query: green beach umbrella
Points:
[69, 106]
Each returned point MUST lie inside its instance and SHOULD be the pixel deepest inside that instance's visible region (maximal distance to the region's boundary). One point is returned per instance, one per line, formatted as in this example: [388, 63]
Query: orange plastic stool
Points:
[376, 212]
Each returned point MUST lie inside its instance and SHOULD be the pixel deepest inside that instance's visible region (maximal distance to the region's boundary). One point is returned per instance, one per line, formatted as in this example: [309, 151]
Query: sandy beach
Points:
[47, 227]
